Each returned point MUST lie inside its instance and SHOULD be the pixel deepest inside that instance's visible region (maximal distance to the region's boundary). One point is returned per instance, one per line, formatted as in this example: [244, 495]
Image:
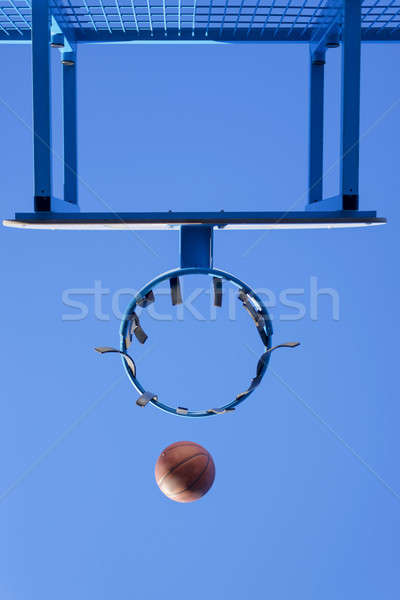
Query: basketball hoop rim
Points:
[181, 272]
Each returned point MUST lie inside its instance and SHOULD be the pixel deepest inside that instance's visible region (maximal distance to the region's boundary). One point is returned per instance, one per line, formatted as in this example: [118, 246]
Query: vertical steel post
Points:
[41, 104]
[70, 128]
[350, 121]
[316, 125]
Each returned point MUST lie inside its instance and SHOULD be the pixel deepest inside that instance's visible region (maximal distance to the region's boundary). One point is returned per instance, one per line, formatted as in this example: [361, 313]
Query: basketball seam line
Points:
[178, 465]
[195, 481]
[184, 445]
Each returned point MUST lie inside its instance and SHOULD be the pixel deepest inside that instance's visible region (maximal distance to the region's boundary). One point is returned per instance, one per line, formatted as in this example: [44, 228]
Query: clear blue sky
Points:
[301, 506]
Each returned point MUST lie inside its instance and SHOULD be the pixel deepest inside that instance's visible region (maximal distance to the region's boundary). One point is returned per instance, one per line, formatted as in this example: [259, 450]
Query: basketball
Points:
[184, 471]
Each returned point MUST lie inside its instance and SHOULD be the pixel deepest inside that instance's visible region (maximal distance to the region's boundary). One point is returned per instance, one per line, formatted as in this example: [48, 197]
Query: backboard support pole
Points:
[316, 126]
[70, 127]
[350, 105]
[41, 105]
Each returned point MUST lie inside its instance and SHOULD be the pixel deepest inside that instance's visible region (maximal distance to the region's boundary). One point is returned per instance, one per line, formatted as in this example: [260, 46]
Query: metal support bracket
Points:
[328, 36]
[196, 246]
[62, 36]
[57, 36]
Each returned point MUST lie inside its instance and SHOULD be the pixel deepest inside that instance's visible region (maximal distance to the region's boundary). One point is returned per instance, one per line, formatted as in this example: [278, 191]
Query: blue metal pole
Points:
[350, 122]
[316, 125]
[41, 104]
[70, 128]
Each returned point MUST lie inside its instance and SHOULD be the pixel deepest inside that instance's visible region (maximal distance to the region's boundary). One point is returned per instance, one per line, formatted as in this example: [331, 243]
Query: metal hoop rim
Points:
[181, 272]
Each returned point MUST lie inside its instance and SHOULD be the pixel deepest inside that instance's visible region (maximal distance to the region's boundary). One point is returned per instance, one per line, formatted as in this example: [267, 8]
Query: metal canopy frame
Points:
[323, 24]
[89, 21]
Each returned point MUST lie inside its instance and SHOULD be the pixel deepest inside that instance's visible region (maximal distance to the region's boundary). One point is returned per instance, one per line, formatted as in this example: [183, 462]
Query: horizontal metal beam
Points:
[285, 35]
[173, 220]
[15, 38]
[198, 35]
[373, 35]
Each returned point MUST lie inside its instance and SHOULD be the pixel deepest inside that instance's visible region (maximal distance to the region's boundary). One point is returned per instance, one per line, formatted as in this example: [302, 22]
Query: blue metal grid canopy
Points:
[213, 20]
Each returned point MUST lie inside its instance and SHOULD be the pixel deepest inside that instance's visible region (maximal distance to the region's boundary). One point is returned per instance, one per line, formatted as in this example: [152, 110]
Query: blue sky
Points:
[306, 501]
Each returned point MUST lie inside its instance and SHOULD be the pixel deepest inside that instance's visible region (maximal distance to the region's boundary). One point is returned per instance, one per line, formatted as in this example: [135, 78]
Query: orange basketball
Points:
[184, 471]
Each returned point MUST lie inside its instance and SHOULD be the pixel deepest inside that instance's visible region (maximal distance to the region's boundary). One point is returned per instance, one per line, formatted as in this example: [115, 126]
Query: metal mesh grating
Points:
[198, 16]
[274, 20]
[194, 14]
[380, 16]
[15, 17]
